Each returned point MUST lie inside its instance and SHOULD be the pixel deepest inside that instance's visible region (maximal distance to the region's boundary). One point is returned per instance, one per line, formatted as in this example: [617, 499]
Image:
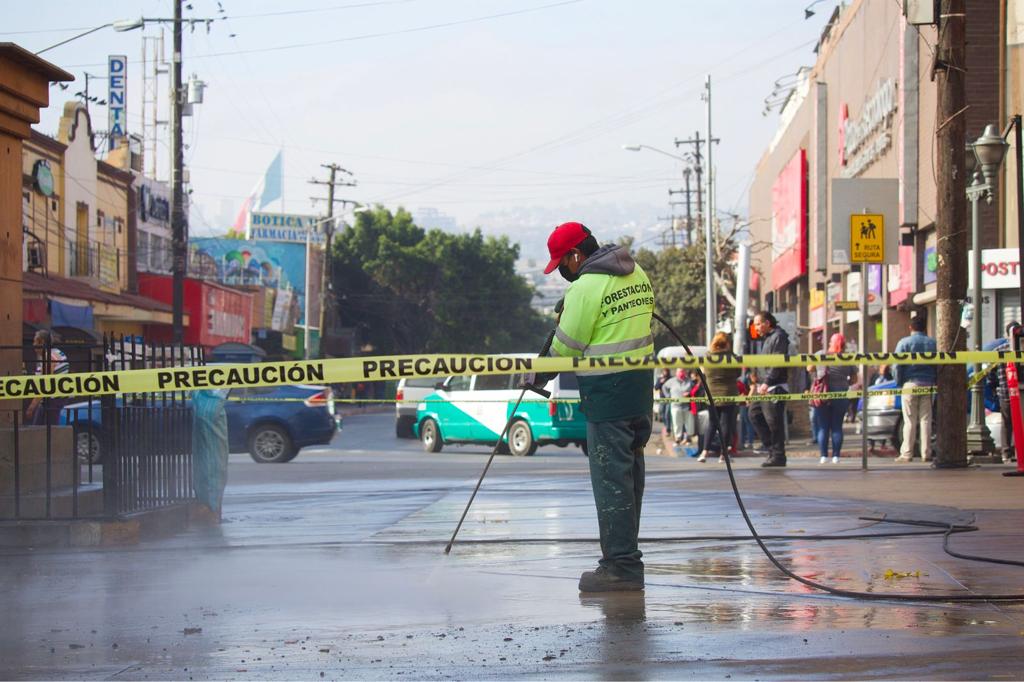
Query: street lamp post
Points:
[984, 157]
[711, 306]
[179, 219]
[120, 26]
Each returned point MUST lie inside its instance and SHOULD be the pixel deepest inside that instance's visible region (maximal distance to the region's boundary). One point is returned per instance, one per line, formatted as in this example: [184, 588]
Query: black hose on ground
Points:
[853, 594]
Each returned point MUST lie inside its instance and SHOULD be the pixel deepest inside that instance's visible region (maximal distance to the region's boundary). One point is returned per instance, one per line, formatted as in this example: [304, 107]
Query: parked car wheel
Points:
[403, 426]
[271, 444]
[430, 436]
[520, 440]
[583, 447]
[87, 446]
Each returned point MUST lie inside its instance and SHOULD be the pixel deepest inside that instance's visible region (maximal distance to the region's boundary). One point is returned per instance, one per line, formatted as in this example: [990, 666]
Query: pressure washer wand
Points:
[497, 445]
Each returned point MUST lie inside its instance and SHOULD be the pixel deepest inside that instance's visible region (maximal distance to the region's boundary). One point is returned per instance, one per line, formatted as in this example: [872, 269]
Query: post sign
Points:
[867, 238]
[1000, 269]
[117, 87]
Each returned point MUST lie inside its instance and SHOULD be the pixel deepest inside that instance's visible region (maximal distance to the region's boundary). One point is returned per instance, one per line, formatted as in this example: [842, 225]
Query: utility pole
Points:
[709, 217]
[698, 163]
[704, 184]
[327, 270]
[687, 192]
[672, 228]
[178, 218]
[950, 221]
[689, 215]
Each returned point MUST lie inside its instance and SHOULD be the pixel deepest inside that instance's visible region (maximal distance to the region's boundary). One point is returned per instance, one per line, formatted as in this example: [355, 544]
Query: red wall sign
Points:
[789, 222]
[216, 314]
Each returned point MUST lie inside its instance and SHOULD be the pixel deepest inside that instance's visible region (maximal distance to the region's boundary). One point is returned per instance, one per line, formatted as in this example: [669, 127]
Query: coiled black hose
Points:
[853, 594]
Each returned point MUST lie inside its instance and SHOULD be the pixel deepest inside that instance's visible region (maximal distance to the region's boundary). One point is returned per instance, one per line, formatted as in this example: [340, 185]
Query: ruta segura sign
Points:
[867, 238]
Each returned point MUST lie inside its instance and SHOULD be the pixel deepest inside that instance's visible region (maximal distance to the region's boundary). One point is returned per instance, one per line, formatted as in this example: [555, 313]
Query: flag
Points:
[268, 189]
[242, 220]
[272, 182]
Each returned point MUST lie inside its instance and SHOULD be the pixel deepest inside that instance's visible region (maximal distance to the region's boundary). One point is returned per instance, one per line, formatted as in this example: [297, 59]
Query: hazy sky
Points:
[526, 109]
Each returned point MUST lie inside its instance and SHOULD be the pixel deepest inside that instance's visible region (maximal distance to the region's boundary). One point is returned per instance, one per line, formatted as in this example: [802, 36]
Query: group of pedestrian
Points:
[765, 417]
[684, 412]
[679, 409]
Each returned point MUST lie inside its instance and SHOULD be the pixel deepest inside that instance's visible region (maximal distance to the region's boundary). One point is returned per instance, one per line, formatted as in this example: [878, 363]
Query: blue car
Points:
[271, 423]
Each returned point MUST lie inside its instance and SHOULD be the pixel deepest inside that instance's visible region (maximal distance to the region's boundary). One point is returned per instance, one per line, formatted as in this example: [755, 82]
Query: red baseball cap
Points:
[564, 239]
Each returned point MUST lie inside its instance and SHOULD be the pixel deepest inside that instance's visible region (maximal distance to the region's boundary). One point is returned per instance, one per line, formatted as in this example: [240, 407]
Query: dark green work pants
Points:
[616, 450]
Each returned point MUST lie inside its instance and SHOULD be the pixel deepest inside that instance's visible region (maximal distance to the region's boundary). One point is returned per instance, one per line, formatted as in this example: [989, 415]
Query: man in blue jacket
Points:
[917, 407]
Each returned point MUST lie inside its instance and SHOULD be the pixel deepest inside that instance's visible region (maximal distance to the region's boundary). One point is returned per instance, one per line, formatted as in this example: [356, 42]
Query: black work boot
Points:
[773, 462]
[602, 580]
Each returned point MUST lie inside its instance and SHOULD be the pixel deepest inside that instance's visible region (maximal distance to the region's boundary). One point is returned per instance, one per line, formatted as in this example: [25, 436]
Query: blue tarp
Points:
[65, 315]
[209, 447]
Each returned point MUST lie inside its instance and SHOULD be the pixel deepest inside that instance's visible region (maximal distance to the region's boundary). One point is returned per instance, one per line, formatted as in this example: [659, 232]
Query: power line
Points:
[607, 124]
[373, 157]
[316, 10]
[46, 30]
[382, 34]
[312, 10]
[385, 180]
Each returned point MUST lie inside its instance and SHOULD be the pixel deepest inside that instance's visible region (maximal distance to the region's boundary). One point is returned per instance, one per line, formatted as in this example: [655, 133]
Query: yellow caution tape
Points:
[771, 397]
[977, 377]
[348, 370]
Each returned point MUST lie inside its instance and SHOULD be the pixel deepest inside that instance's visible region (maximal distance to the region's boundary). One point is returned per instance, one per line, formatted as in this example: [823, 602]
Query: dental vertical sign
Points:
[117, 109]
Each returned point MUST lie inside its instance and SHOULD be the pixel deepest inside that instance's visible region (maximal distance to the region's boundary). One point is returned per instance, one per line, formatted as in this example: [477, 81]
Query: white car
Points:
[409, 394]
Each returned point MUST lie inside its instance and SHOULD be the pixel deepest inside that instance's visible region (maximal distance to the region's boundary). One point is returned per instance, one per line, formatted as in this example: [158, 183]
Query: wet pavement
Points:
[332, 566]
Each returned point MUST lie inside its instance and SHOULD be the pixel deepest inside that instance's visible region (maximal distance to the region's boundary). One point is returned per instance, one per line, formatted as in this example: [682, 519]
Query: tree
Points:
[412, 291]
[677, 275]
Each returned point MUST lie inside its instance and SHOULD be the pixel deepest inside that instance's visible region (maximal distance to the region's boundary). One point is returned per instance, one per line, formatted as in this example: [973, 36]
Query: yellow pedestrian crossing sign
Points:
[867, 238]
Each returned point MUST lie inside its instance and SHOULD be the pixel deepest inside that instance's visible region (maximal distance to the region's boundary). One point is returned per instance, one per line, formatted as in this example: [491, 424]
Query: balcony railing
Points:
[96, 261]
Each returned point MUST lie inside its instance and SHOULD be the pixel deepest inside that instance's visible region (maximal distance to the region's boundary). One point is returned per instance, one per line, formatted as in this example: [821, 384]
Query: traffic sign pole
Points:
[864, 368]
[867, 245]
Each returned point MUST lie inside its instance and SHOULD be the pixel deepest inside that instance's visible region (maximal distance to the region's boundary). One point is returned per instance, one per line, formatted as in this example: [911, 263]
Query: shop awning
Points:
[70, 294]
[925, 297]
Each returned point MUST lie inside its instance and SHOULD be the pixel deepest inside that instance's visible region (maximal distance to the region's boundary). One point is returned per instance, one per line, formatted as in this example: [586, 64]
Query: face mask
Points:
[567, 274]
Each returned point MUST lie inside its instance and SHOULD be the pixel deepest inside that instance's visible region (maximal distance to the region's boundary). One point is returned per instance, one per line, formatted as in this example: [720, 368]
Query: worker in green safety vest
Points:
[607, 312]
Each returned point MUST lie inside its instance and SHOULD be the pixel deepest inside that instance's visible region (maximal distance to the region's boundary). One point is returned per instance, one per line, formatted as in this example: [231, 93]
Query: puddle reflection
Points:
[619, 608]
[623, 640]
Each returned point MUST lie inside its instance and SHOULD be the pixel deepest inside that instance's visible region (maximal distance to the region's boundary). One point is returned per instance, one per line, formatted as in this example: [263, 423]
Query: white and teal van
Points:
[474, 410]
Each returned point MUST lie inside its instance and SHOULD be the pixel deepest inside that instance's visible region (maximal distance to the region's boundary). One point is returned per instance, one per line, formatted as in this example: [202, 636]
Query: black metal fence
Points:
[90, 456]
[151, 433]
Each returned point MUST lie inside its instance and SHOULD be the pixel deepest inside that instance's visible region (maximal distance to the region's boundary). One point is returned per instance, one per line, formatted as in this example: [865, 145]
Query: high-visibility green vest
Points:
[609, 315]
